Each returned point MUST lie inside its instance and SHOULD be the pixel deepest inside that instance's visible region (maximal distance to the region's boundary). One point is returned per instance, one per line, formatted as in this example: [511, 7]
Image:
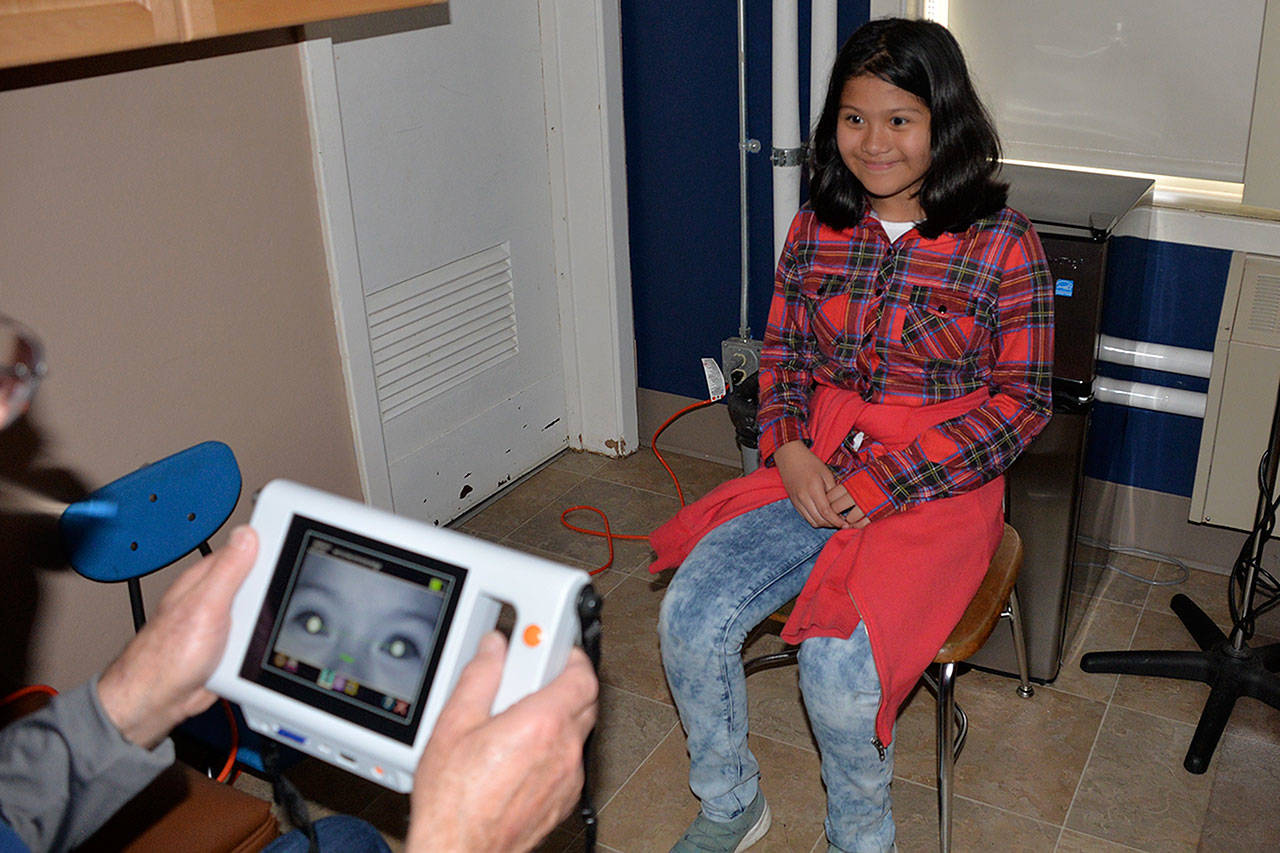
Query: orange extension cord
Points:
[608, 533]
[225, 775]
[27, 691]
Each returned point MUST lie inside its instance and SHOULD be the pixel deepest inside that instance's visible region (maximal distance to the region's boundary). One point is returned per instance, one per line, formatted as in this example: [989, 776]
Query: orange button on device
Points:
[532, 635]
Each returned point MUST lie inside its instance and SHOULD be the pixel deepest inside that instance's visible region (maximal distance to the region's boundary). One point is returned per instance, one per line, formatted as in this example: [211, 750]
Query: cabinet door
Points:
[41, 30]
[203, 18]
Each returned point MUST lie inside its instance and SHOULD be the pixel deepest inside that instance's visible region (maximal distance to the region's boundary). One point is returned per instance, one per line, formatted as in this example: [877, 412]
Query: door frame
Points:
[582, 85]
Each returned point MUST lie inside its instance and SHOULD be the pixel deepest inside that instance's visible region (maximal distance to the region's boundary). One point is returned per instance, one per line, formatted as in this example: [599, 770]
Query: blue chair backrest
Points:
[152, 517]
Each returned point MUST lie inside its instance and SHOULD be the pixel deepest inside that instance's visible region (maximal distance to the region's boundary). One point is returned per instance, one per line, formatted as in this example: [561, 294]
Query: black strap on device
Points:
[589, 606]
[286, 795]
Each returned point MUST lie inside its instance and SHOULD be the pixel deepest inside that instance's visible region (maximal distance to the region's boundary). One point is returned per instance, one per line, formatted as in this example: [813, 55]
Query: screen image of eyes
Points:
[400, 647]
[311, 622]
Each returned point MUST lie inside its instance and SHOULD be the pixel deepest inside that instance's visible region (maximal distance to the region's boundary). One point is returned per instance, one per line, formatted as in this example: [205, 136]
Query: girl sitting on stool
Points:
[906, 364]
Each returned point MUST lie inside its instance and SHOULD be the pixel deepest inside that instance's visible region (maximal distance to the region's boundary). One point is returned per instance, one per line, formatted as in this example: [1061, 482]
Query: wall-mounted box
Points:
[1242, 395]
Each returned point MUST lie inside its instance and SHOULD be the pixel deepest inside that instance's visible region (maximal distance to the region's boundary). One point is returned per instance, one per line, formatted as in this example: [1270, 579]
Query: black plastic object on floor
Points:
[1226, 663]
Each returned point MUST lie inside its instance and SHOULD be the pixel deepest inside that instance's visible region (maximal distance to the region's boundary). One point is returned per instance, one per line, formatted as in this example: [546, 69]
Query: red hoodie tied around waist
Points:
[909, 575]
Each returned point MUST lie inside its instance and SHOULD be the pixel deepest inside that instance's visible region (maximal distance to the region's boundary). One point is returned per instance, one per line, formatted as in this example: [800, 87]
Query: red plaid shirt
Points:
[912, 323]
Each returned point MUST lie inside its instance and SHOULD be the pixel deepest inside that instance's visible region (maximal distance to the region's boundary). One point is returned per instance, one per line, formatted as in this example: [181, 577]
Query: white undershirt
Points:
[895, 229]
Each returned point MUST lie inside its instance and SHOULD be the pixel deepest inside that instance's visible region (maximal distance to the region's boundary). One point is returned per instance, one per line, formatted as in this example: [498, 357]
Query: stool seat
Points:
[984, 611]
[988, 603]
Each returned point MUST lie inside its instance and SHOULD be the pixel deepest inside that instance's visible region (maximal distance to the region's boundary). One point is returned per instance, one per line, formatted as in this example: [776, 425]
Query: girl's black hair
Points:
[924, 59]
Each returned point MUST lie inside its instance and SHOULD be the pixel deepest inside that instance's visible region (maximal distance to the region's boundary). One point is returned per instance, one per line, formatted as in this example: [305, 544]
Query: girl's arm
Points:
[787, 359]
[786, 377]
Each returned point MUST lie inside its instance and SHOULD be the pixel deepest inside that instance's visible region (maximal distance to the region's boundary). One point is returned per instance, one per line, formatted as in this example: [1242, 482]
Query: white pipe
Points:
[1155, 398]
[744, 146]
[1188, 362]
[786, 117]
[823, 47]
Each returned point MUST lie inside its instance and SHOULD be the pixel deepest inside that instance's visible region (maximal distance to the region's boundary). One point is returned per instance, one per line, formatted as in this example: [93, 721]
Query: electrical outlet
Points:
[741, 358]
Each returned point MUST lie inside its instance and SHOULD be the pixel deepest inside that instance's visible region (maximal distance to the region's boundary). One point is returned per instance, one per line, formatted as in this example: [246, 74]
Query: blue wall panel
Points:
[1149, 450]
[680, 90]
[1165, 293]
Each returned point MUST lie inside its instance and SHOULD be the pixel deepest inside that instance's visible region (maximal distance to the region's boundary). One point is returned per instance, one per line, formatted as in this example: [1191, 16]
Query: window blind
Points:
[1160, 87]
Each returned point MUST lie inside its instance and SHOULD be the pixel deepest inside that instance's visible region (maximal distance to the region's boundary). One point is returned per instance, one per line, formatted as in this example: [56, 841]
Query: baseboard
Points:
[1124, 516]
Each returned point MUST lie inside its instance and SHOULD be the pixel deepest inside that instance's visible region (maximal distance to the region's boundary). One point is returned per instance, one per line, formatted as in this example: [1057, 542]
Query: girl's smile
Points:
[882, 133]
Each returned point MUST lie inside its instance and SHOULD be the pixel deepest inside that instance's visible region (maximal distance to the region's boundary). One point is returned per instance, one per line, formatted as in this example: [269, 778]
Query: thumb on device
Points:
[472, 698]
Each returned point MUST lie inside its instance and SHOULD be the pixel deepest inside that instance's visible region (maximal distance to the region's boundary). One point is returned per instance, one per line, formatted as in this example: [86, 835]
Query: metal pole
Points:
[1260, 536]
[745, 146]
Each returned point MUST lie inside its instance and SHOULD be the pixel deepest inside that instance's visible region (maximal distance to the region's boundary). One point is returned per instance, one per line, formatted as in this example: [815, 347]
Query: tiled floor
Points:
[1090, 763]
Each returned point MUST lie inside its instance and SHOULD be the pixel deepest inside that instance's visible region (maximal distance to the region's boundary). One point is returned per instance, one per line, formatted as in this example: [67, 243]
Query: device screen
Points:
[354, 627]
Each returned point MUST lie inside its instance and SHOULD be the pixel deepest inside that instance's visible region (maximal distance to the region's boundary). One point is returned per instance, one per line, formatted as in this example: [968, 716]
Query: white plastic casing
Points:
[543, 594]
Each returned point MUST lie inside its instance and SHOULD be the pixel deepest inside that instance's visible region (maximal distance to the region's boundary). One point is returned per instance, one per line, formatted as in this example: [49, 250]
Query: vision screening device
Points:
[351, 630]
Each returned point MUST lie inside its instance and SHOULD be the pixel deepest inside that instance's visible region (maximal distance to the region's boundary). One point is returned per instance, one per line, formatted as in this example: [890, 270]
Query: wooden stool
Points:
[996, 598]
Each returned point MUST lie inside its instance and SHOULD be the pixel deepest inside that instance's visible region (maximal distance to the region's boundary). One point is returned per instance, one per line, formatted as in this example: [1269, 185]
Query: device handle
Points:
[540, 644]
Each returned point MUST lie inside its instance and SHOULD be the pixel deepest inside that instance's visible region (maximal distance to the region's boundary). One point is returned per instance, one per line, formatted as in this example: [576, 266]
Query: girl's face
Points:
[882, 133]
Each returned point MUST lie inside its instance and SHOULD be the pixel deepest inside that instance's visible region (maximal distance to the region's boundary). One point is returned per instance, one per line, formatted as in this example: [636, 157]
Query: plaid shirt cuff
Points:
[868, 495]
[779, 433]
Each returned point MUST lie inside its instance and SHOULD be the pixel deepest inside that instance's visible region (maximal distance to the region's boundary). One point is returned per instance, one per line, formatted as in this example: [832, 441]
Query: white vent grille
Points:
[1264, 313]
[439, 329]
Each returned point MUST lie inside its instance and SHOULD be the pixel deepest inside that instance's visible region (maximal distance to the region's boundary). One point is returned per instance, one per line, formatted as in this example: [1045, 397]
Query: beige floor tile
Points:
[607, 581]
[564, 838]
[1166, 697]
[1022, 755]
[580, 462]
[643, 471]
[655, 806]
[520, 503]
[775, 708]
[630, 727]
[1242, 811]
[630, 510]
[253, 785]
[1184, 700]
[1024, 759]
[974, 826]
[629, 656]
[1117, 586]
[1207, 589]
[1106, 626]
[1077, 842]
[1210, 592]
[1134, 790]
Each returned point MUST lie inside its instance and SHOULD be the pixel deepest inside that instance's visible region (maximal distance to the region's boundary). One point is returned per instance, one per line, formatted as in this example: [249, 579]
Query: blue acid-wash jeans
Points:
[334, 834]
[737, 575]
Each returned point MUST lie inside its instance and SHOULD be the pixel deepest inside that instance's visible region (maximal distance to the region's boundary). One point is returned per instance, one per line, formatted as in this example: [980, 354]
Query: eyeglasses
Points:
[22, 367]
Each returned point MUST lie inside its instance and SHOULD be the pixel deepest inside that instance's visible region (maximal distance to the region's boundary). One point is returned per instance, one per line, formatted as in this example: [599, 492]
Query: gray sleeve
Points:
[66, 768]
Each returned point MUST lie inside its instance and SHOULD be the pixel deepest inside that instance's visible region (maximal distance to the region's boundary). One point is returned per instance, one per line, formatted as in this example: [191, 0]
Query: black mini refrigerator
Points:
[1074, 214]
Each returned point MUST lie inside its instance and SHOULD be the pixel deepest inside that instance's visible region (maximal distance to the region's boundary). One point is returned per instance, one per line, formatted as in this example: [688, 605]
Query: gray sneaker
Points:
[735, 836]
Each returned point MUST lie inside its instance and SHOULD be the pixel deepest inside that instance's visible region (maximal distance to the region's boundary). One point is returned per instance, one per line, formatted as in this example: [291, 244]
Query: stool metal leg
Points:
[1011, 611]
[960, 718]
[946, 751]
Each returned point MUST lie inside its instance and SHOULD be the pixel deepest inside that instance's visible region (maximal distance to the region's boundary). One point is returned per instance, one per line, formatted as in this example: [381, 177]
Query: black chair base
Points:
[1229, 672]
